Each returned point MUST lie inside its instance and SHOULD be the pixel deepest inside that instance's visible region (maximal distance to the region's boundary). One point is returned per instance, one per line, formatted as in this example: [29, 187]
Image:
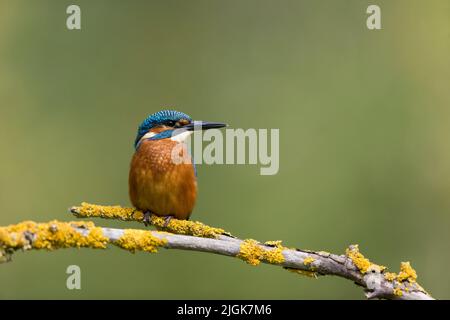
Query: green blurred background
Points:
[363, 118]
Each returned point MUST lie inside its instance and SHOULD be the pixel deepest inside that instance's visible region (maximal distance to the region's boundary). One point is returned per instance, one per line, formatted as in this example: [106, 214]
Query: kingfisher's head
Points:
[170, 124]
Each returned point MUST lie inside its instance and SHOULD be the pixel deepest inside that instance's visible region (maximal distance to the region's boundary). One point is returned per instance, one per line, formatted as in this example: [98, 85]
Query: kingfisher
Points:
[163, 178]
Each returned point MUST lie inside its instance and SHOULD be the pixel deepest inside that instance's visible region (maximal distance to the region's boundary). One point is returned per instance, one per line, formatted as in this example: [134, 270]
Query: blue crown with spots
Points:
[159, 118]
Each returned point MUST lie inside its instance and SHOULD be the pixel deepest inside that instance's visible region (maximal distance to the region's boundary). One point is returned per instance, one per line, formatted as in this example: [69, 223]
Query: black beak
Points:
[203, 125]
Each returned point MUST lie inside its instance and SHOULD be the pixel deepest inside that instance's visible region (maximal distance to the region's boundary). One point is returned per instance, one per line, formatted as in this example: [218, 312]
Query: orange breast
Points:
[158, 184]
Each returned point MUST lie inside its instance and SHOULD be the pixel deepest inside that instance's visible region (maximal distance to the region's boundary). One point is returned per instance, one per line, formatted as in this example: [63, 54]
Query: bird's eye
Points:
[171, 123]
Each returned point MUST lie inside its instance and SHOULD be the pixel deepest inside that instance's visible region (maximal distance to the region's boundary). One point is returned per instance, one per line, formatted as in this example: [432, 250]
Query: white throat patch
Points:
[181, 137]
[148, 135]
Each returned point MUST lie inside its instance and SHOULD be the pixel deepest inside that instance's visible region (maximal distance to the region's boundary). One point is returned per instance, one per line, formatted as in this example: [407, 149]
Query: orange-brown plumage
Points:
[162, 177]
[159, 185]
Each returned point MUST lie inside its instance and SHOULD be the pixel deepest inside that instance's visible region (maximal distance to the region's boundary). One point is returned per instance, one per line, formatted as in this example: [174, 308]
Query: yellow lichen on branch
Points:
[252, 252]
[361, 263]
[407, 273]
[88, 210]
[76, 234]
[192, 228]
[404, 281]
[308, 261]
[354, 266]
[133, 240]
[309, 274]
[390, 276]
[398, 292]
[273, 243]
[51, 235]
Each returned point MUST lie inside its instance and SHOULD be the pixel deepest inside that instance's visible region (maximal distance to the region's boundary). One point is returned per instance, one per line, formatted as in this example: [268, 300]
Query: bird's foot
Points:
[167, 220]
[147, 216]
